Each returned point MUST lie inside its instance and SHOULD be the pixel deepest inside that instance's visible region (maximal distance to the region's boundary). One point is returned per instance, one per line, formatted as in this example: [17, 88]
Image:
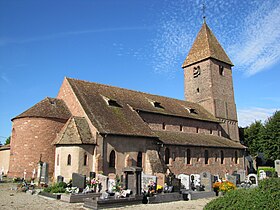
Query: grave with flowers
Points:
[81, 188]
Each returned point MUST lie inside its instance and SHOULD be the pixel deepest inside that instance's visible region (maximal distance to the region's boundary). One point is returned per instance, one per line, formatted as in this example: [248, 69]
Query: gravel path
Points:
[10, 199]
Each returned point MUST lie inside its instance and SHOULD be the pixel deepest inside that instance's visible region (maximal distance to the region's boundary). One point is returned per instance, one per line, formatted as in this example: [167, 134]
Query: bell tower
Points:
[208, 80]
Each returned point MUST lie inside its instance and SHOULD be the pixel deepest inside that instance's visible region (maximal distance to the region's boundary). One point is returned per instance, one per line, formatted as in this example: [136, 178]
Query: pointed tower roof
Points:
[206, 46]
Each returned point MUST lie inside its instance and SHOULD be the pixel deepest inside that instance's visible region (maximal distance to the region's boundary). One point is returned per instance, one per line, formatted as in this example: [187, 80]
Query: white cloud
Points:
[5, 78]
[246, 116]
[259, 42]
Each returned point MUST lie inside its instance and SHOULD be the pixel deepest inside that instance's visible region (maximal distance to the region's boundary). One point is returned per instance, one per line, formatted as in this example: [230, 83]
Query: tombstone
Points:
[237, 176]
[92, 175]
[231, 179]
[79, 181]
[277, 167]
[60, 179]
[216, 178]
[160, 178]
[169, 179]
[45, 173]
[185, 181]
[146, 180]
[242, 174]
[269, 174]
[103, 181]
[194, 181]
[133, 179]
[111, 184]
[262, 174]
[253, 178]
[206, 180]
[176, 184]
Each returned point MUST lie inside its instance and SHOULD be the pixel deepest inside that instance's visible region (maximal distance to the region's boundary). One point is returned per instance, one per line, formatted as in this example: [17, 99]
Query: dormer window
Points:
[221, 70]
[192, 111]
[111, 102]
[157, 104]
[196, 71]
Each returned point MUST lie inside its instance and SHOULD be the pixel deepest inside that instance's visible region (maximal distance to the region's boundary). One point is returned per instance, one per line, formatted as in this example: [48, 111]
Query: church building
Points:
[91, 127]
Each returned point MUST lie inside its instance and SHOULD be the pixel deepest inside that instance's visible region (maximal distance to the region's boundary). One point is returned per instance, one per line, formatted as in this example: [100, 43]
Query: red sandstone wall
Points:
[30, 138]
[197, 164]
[173, 124]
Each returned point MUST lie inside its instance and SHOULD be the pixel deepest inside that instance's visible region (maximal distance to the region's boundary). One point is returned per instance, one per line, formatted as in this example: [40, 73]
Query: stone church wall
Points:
[32, 138]
[178, 163]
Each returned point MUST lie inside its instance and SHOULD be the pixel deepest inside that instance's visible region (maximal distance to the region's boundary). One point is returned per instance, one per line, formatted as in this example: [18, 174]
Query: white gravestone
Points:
[185, 180]
[262, 175]
[195, 180]
[102, 187]
[253, 178]
[111, 184]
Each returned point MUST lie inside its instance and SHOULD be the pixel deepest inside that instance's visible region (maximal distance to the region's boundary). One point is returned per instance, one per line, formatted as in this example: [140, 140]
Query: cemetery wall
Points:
[78, 163]
[31, 139]
[4, 159]
[188, 125]
[178, 160]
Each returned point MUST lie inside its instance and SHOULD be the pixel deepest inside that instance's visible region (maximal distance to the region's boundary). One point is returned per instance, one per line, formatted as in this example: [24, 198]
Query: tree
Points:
[8, 140]
[271, 137]
[253, 137]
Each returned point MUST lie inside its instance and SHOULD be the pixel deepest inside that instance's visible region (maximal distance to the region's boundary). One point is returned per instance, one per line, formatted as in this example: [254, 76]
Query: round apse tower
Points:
[33, 132]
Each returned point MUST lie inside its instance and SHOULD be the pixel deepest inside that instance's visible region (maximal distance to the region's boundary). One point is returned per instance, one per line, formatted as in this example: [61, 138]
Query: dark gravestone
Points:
[133, 179]
[60, 179]
[268, 173]
[45, 173]
[176, 183]
[237, 178]
[92, 174]
[79, 181]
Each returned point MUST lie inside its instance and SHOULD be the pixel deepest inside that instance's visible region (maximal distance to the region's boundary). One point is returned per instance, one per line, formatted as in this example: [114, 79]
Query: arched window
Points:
[139, 159]
[69, 160]
[188, 156]
[222, 157]
[57, 160]
[85, 159]
[112, 159]
[235, 157]
[166, 156]
[206, 156]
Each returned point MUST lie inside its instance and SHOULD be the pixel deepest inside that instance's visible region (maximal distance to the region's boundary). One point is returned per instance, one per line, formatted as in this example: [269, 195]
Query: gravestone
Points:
[194, 181]
[176, 184]
[160, 178]
[215, 178]
[242, 174]
[231, 179]
[146, 180]
[103, 181]
[111, 184]
[45, 173]
[185, 181]
[206, 180]
[79, 181]
[277, 167]
[60, 179]
[133, 179]
[92, 174]
[262, 174]
[169, 179]
[237, 178]
[253, 178]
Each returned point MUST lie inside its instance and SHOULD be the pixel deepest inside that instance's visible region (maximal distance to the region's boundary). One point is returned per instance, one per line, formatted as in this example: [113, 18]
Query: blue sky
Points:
[134, 44]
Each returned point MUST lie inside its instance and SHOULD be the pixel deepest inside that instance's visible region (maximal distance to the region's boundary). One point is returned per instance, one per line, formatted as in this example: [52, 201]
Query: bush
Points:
[266, 196]
[56, 188]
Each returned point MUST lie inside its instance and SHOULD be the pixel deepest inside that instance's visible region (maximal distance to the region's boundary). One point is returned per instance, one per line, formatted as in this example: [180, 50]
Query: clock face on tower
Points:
[196, 71]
